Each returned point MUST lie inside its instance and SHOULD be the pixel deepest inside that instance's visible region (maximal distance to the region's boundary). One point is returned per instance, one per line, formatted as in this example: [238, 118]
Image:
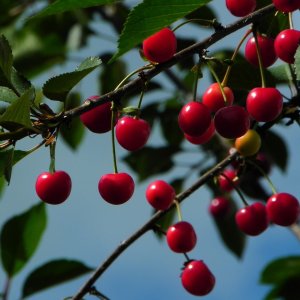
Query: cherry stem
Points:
[233, 57]
[178, 210]
[196, 80]
[261, 68]
[52, 156]
[291, 20]
[186, 257]
[264, 174]
[141, 98]
[212, 71]
[149, 66]
[43, 142]
[113, 142]
[236, 189]
[207, 23]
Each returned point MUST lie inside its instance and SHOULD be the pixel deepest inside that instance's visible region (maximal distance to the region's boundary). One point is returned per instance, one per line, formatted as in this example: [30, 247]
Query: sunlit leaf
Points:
[149, 17]
[58, 87]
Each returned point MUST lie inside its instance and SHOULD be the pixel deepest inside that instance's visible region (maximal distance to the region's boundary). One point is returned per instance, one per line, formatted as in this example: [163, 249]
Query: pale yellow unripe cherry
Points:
[248, 144]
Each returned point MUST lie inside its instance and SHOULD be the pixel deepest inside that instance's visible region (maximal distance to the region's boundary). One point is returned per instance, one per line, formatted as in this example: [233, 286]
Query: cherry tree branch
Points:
[150, 224]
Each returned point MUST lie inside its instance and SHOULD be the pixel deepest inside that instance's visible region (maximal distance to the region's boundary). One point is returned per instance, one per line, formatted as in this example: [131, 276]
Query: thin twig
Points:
[150, 224]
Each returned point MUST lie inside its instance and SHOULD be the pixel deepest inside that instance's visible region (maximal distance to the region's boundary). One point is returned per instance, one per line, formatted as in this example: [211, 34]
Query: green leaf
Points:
[297, 63]
[73, 131]
[20, 237]
[169, 122]
[276, 149]
[232, 237]
[60, 6]
[58, 87]
[6, 57]
[53, 273]
[2, 186]
[281, 269]
[18, 113]
[149, 17]
[288, 290]
[145, 163]
[7, 95]
[281, 73]
[10, 157]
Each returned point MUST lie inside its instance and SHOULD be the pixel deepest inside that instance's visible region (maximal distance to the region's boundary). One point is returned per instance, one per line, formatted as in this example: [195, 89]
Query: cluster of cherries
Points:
[198, 121]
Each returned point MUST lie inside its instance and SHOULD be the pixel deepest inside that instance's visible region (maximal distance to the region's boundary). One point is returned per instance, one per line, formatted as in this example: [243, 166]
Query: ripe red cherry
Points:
[219, 207]
[252, 219]
[98, 119]
[286, 44]
[116, 188]
[266, 46]
[287, 5]
[197, 279]
[53, 188]
[160, 46]
[241, 8]
[194, 118]
[264, 104]
[181, 237]
[226, 180]
[213, 97]
[160, 194]
[132, 133]
[203, 138]
[232, 121]
[283, 209]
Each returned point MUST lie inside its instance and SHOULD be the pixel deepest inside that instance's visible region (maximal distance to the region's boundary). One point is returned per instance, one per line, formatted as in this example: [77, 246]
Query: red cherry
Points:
[160, 194]
[267, 51]
[252, 219]
[264, 104]
[213, 97]
[160, 46]
[116, 188]
[219, 207]
[241, 8]
[232, 121]
[197, 279]
[287, 5]
[53, 188]
[132, 133]
[181, 237]
[283, 209]
[98, 119]
[286, 44]
[226, 180]
[194, 118]
[203, 138]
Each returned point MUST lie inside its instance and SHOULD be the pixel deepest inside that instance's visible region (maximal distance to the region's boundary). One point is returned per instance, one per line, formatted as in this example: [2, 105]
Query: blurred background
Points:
[87, 229]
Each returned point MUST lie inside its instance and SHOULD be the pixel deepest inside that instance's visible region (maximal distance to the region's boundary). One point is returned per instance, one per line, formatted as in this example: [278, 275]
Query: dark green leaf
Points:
[276, 149]
[288, 290]
[297, 63]
[7, 95]
[145, 163]
[73, 131]
[232, 237]
[18, 113]
[164, 223]
[2, 185]
[169, 122]
[20, 237]
[9, 165]
[112, 75]
[5, 156]
[53, 273]
[150, 113]
[60, 6]
[149, 17]
[58, 87]
[6, 57]
[281, 269]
